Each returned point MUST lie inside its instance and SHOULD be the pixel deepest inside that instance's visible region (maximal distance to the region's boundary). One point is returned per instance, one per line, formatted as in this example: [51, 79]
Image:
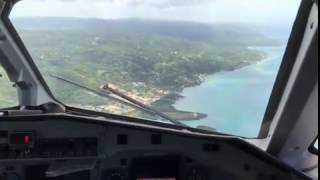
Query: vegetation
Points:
[138, 56]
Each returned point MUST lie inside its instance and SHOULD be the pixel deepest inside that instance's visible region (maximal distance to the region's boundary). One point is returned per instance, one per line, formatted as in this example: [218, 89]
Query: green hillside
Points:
[137, 57]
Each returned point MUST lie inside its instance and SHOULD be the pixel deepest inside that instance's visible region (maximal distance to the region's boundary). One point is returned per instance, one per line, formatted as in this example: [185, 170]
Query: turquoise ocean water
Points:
[235, 101]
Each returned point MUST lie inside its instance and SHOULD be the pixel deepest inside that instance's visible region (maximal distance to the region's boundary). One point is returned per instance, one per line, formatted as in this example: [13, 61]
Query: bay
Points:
[235, 101]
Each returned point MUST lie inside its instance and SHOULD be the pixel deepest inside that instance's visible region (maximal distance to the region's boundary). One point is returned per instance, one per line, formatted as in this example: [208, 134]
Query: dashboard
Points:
[66, 147]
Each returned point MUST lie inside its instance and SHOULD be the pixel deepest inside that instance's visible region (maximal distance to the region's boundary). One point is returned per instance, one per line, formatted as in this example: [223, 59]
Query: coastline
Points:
[164, 100]
[235, 100]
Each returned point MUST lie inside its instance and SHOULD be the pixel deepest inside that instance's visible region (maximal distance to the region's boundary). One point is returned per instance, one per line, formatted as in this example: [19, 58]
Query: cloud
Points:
[220, 11]
[161, 4]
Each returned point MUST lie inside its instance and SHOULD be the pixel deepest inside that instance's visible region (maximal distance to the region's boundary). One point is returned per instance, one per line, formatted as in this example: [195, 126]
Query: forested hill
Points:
[222, 34]
[144, 57]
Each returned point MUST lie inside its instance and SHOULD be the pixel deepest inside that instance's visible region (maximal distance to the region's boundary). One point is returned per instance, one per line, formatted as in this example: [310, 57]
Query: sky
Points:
[219, 11]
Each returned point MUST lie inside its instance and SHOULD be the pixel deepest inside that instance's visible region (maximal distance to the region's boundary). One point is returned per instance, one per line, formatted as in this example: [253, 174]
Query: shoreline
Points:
[164, 99]
[160, 99]
[204, 77]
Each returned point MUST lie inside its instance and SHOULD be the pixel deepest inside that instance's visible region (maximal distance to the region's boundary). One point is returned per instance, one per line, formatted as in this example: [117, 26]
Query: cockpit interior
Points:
[42, 138]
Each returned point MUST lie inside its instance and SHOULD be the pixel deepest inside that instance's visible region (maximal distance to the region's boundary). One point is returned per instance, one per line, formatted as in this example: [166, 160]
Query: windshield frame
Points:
[277, 91]
[313, 149]
[5, 12]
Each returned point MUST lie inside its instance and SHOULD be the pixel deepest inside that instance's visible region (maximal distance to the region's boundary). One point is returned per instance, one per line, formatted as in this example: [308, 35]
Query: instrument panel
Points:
[89, 149]
[26, 145]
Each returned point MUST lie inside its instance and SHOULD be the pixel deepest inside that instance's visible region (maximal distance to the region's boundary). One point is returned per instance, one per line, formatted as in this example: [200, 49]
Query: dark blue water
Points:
[235, 101]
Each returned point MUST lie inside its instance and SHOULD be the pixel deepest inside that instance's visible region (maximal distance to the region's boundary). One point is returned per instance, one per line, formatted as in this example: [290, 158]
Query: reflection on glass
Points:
[8, 94]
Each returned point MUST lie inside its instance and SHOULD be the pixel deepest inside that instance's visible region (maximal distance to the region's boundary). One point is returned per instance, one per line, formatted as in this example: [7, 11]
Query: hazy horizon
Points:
[203, 11]
[278, 31]
[135, 18]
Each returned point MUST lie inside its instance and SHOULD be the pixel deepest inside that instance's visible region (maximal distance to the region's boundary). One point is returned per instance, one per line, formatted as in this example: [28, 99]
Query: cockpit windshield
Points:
[207, 64]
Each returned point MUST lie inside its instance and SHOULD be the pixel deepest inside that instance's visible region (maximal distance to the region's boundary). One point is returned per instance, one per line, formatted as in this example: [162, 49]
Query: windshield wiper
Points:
[107, 92]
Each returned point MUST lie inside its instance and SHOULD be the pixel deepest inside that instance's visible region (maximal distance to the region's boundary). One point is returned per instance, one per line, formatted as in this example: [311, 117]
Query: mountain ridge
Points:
[222, 34]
